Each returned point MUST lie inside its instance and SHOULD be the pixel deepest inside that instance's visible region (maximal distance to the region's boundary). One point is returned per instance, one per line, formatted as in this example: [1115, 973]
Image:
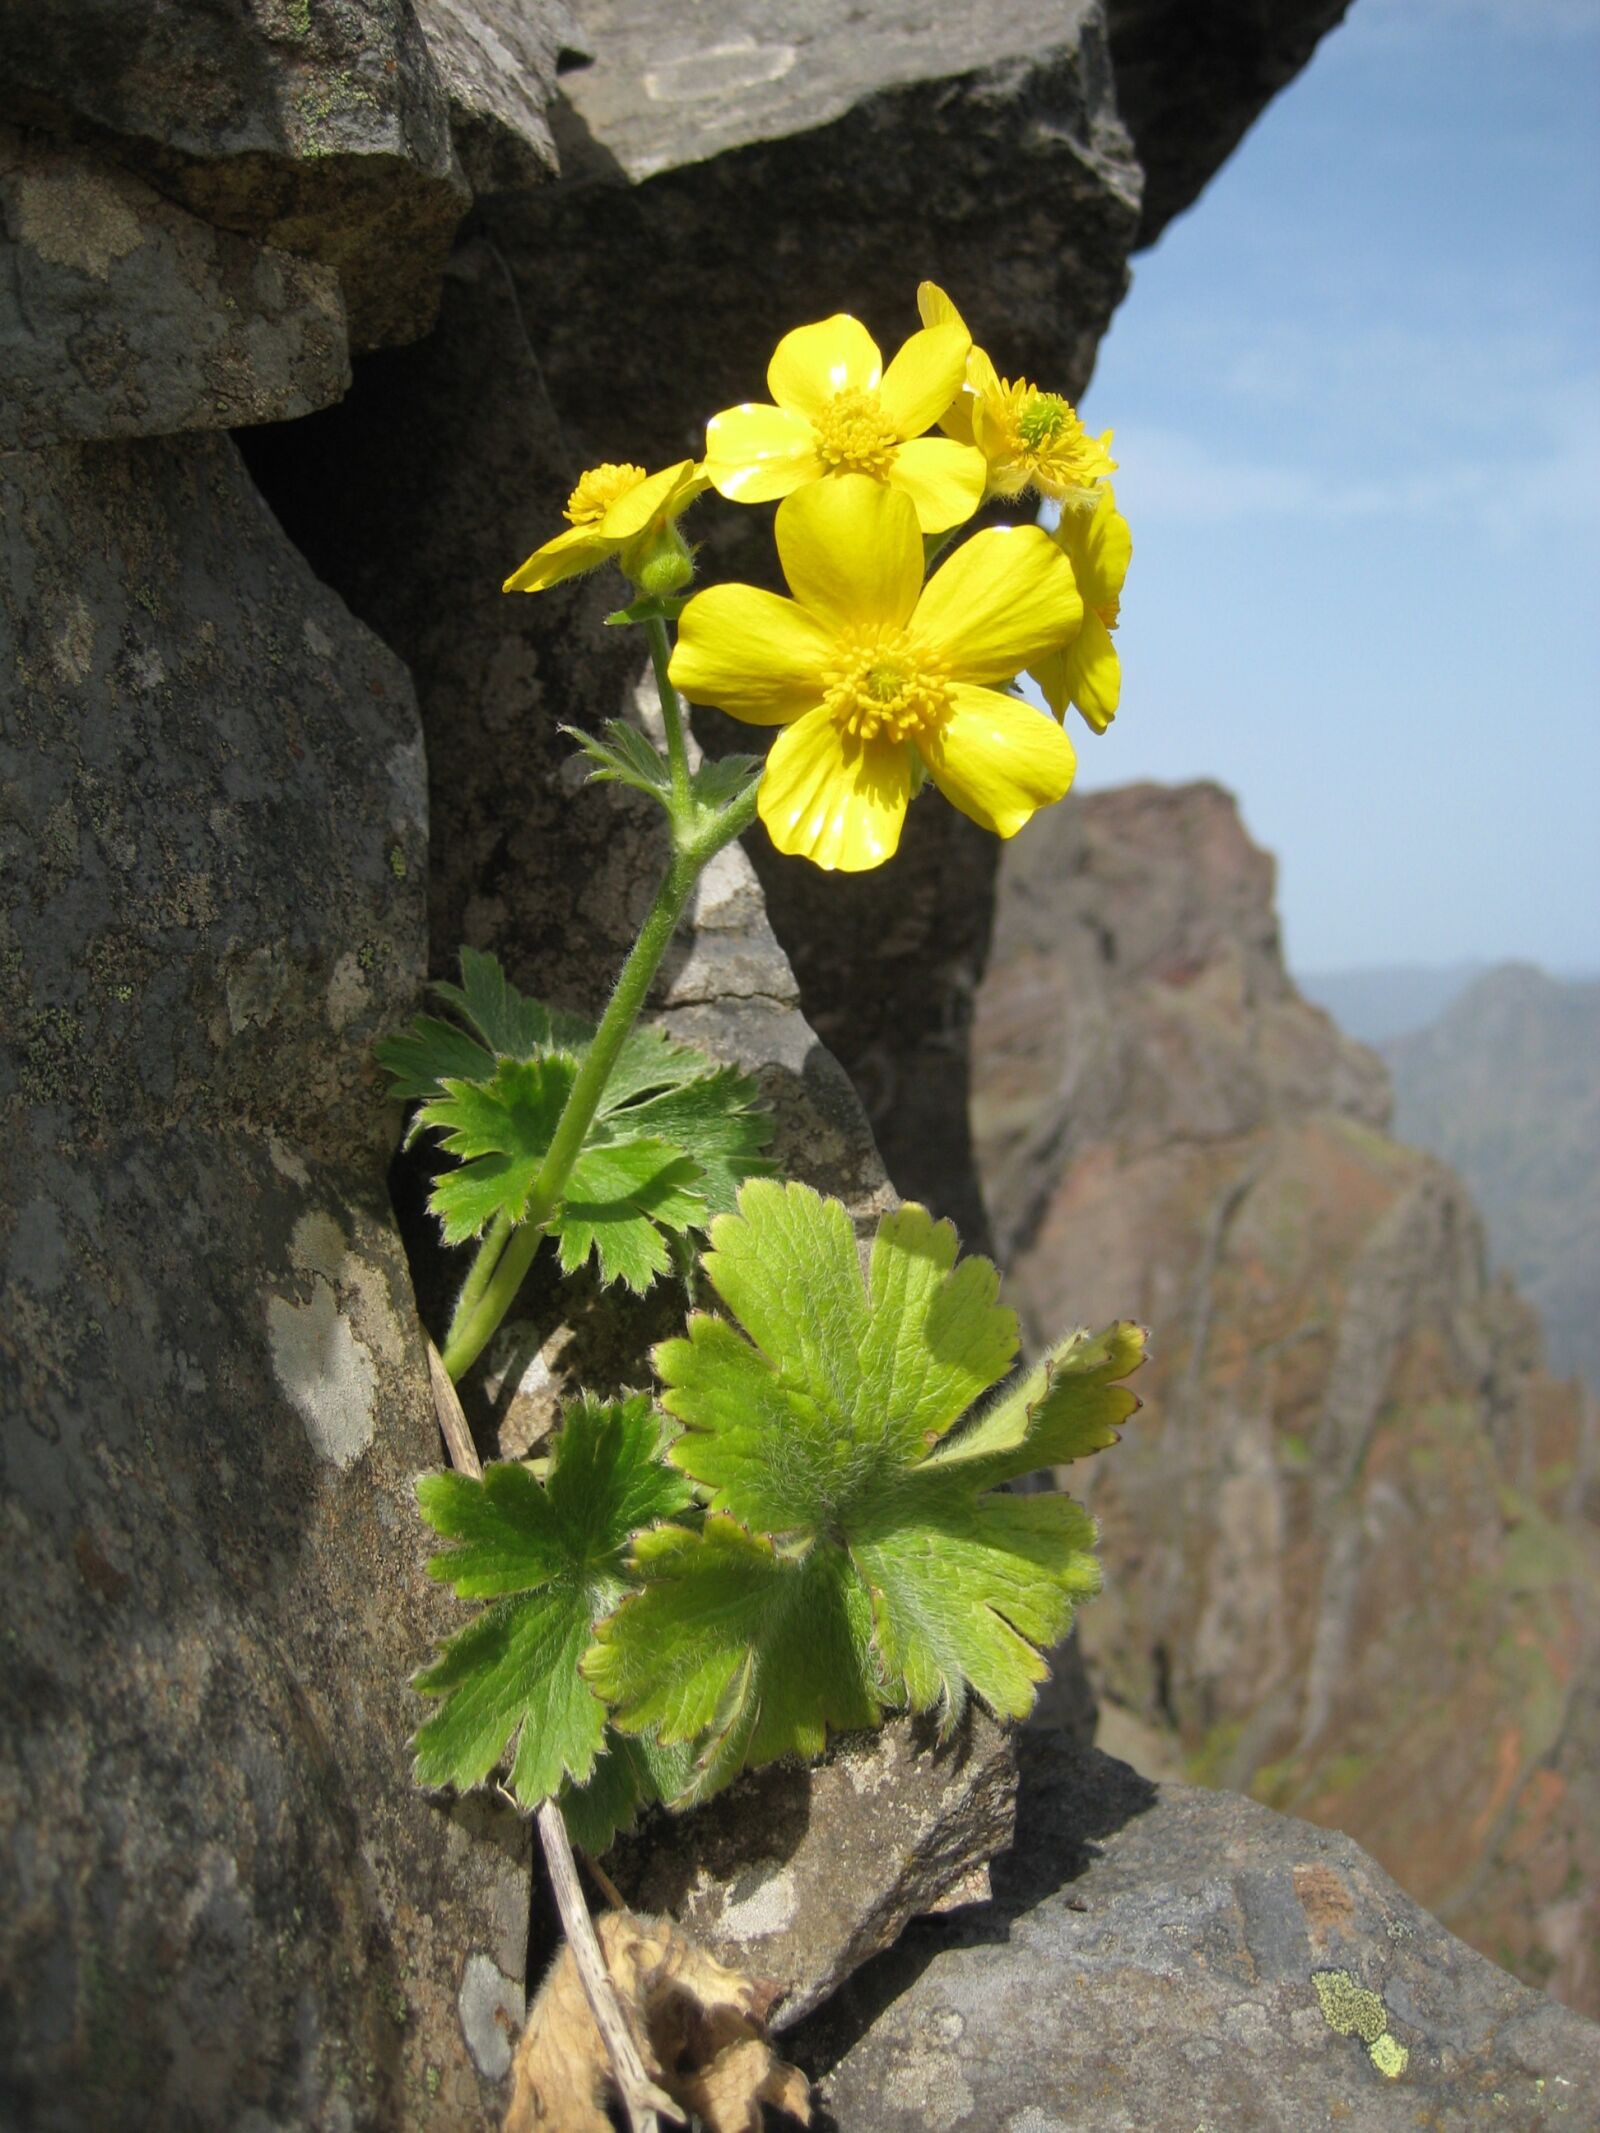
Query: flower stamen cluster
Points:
[598, 489]
[883, 686]
[1036, 440]
[854, 435]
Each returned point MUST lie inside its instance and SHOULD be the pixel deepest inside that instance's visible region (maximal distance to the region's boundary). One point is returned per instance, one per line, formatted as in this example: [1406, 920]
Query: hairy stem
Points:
[697, 838]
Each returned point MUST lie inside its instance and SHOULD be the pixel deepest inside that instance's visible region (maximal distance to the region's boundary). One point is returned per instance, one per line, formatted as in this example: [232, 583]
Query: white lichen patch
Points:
[763, 1900]
[72, 652]
[490, 2007]
[75, 218]
[349, 994]
[324, 1349]
[933, 2084]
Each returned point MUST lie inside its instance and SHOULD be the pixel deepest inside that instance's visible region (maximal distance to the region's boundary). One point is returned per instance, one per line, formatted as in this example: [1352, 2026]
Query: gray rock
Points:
[802, 1875]
[1192, 80]
[121, 315]
[1157, 1963]
[319, 127]
[219, 1893]
[497, 60]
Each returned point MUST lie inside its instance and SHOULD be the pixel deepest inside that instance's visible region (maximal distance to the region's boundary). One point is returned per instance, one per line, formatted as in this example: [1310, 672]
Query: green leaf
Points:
[720, 780]
[502, 1129]
[494, 1096]
[1065, 1408]
[653, 607]
[829, 1428]
[550, 1558]
[616, 1197]
[630, 1773]
[428, 1055]
[622, 755]
[744, 1651]
[707, 1117]
[510, 1024]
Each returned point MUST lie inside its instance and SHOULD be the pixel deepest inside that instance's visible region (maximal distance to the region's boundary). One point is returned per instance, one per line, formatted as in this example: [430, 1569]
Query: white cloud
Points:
[1547, 471]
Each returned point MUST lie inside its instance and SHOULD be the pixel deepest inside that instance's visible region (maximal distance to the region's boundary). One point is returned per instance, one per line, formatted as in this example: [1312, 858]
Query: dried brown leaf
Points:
[701, 2030]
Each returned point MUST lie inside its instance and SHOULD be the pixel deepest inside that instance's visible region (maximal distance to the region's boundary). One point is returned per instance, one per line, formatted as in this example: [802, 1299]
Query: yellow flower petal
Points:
[998, 759]
[578, 549]
[1099, 547]
[630, 514]
[813, 363]
[751, 653]
[943, 478]
[1099, 677]
[924, 378]
[833, 800]
[934, 308]
[1002, 601]
[1085, 672]
[756, 452]
[851, 551]
[982, 376]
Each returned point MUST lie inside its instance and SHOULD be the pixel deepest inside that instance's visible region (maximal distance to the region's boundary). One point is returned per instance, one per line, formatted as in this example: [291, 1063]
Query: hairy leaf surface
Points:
[550, 1559]
[853, 1487]
[674, 1137]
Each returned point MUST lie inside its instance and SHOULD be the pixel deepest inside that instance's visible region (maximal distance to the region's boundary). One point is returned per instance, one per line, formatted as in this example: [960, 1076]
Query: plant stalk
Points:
[697, 838]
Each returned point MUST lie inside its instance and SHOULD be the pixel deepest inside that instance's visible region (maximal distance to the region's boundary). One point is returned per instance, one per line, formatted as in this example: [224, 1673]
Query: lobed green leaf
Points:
[831, 1424]
[494, 1099]
[551, 1557]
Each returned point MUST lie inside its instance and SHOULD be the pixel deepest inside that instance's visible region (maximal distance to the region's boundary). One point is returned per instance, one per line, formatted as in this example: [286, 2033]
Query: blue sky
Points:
[1356, 395]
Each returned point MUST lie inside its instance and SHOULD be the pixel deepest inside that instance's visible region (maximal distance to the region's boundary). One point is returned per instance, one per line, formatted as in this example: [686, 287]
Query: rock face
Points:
[1192, 80]
[1157, 1962]
[1503, 1086]
[801, 1876]
[222, 1902]
[222, 1896]
[1351, 1476]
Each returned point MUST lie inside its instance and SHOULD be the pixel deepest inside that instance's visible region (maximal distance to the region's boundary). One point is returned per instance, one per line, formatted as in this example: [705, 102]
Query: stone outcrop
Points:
[1351, 1555]
[1191, 81]
[276, 746]
[1160, 1961]
[222, 1895]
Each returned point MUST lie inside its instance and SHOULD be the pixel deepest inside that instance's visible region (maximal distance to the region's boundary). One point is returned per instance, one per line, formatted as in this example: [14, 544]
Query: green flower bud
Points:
[660, 562]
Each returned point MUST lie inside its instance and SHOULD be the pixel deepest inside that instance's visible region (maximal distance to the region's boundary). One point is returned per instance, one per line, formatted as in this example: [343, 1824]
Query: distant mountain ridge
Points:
[1352, 1541]
[1377, 1003]
[1505, 1087]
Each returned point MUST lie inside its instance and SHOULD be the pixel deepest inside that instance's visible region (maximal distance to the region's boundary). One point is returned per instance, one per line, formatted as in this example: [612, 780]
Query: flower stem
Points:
[488, 1257]
[671, 710]
[698, 835]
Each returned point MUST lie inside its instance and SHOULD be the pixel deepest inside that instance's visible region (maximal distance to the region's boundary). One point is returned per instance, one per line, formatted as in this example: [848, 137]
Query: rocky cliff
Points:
[311, 311]
[1353, 1563]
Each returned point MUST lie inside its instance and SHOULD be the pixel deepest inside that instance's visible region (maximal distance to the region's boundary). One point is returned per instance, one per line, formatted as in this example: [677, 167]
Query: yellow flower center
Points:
[854, 436]
[881, 685]
[1110, 610]
[1045, 446]
[1044, 416]
[599, 489]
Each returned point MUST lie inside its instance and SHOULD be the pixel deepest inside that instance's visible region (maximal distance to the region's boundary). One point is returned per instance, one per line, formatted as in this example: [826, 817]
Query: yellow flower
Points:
[1086, 672]
[876, 677]
[840, 412]
[1029, 439]
[616, 511]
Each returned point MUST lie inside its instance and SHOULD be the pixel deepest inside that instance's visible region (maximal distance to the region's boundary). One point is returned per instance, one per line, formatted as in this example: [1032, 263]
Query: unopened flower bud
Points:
[659, 562]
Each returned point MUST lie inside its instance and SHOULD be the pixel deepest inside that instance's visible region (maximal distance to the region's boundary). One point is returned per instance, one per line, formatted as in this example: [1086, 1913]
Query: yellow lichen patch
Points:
[1351, 2010]
[1388, 2057]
